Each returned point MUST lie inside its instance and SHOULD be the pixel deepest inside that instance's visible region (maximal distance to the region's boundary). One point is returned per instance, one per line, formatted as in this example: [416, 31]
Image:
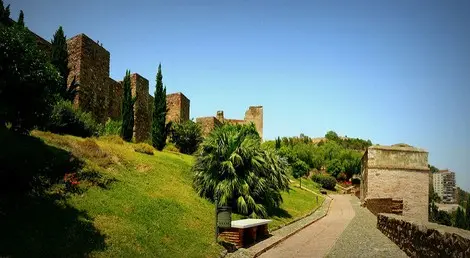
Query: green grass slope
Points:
[149, 209]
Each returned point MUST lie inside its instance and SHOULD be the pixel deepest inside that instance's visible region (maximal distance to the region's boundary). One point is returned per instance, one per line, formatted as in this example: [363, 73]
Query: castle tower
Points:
[255, 114]
[142, 117]
[89, 63]
[178, 107]
[220, 116]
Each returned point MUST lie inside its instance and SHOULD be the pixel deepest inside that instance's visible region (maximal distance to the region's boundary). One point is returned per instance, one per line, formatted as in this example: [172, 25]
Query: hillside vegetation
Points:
[125, 204]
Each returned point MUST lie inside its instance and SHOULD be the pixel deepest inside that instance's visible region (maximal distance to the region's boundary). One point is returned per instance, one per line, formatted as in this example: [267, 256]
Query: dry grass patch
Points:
[144, 148]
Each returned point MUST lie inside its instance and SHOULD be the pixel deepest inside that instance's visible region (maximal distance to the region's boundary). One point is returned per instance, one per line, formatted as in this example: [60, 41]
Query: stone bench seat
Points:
[245, 231]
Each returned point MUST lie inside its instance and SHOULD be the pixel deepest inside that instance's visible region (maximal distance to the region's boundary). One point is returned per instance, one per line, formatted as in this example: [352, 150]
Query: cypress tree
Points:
[159, 126]
[21, 19]
[60, 60]
[278, 143]
[460, 219]
[467, 212]
[127, 111]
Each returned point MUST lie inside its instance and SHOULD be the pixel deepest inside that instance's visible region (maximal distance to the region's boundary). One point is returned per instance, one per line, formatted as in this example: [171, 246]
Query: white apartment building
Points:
[444, 185]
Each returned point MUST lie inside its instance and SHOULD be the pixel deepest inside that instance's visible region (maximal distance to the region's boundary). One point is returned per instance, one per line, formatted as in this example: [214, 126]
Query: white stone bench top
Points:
[249, 223]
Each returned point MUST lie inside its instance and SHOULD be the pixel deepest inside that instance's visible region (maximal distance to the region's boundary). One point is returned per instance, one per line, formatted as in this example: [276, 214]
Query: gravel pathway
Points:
[361, 238]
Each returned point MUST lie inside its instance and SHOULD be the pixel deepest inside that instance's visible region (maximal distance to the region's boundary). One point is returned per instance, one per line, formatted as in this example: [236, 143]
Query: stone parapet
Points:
[424, 239]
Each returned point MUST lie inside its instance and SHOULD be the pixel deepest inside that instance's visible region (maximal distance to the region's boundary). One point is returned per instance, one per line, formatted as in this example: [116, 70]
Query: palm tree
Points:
[232, 166]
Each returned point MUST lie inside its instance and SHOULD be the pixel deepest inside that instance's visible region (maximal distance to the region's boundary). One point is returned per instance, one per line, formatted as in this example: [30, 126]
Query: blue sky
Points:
[388, 71]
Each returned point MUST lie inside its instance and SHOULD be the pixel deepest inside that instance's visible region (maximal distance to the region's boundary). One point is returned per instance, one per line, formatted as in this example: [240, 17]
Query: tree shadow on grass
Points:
[35, 221]
[279, 212]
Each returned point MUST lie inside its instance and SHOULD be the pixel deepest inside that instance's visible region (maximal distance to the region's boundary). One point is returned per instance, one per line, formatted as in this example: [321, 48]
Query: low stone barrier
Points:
[424, 239]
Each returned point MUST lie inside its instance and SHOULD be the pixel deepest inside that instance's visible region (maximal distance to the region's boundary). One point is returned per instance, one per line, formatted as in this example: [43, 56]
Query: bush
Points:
[144, 148]
[341, 177]
[112, 127]
[66, 119]
[186, 136]
[171, 147]
[326, 181]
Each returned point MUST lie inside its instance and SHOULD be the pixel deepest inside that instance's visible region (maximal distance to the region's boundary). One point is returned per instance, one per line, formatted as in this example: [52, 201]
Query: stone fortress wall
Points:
[101, 95]
[254, 115]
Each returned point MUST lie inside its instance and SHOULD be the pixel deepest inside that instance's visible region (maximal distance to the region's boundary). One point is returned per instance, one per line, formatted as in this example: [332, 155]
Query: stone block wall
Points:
[424, 239]
[115, 99]
[142, 118]
[411, 187]
[207, 124]
[178, 107]
[90, 63]
[380, 205]
[397, 173]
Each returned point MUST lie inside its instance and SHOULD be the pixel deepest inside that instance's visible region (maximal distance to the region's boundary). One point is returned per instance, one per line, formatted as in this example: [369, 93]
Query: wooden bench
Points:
[245, 231]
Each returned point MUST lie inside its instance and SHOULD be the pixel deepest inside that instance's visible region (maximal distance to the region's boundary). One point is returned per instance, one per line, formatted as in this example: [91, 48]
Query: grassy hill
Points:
[131, 204]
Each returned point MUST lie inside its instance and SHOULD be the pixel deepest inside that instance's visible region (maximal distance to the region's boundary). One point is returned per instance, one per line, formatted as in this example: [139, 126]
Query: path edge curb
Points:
[295, 231]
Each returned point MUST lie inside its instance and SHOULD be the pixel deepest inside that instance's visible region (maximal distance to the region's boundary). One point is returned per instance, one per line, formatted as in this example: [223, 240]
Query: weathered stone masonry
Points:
[397, 173]
[99, 94]
[254, 115]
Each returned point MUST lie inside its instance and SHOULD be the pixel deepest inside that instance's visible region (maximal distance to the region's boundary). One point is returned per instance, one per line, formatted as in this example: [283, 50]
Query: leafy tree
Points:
[60, 60]
[127, 113]
[159, 127]
[334, 167]
[299, 169]
[332, 136]
[21, 19]
[460, 219]
[232, 166]
[186, 136]
[278, 143]
[26, 81]
[326, 181]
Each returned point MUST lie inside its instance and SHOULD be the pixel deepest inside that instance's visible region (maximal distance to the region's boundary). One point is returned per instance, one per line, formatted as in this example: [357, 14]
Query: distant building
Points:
[395, 179]
[444, 185]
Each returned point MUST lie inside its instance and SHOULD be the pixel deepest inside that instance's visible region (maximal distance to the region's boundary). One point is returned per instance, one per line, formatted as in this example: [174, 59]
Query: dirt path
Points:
[317, 239]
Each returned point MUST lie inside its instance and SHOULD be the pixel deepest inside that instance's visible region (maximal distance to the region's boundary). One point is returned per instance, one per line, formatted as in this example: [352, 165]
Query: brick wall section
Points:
[207, 124]
[255, 114]
[380, 205]
[142, 119]
[178, 107]
[91, 62]
[424, 239]
[398, 173]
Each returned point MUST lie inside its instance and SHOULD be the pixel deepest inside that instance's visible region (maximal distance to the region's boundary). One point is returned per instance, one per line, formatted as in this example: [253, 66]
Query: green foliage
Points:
[127, 113]
[299, 168]
[341, 177]
[460, 221]
[326, 181]
[27, 81]
[59, 60]
[467, 212]
[144, 148]
[66, 119]
[278, 143]
[433, 168]
[160, 129]
[232, 165]
[335, 167]
[112, 127]
[332, 136]
[186, 136]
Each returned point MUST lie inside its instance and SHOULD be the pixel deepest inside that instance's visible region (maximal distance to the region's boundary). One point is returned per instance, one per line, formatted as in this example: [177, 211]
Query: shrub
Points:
[186, 136]
[66, 119]
[171, 147]
[144, 148]
[326, 181]
[112, 127]
[113, 139]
